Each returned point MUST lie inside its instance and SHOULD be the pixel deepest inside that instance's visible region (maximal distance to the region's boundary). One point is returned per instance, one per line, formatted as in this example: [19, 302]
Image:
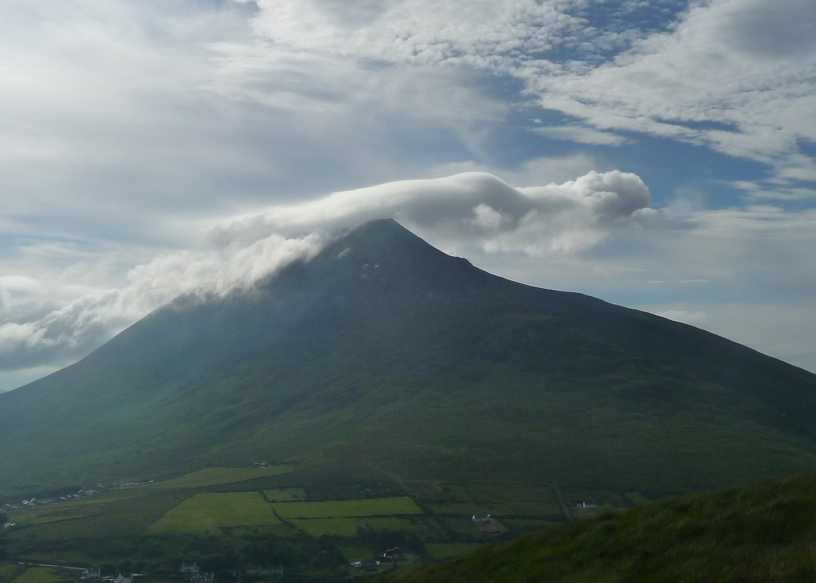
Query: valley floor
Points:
[267, 522]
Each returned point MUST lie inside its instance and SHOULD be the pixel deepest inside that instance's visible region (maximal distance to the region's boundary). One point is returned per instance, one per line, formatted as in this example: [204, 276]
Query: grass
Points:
[208, 513]
[38, 575]
[218, 476]
[357, 552]
[51, 514]
[120, 518]
[317, 527]
[762, 534]
[8, 572]
[388, 523]
[351, 527]
[443, 551]
[349, 508]
[285, 494]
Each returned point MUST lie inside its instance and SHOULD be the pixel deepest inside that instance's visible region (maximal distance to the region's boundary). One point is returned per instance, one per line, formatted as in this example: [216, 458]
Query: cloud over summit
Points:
[468, 209]
[461, 211]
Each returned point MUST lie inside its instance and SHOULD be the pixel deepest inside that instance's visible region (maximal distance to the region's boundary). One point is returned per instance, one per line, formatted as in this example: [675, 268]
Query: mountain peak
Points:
[383, 240]
[383, 253]
[381, 232]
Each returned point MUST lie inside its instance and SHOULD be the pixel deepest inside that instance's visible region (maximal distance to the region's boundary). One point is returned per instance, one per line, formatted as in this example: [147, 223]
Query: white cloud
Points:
[581, 135]
[733, 75]
[487, 33]
[535, 220]
[466, 210]
[746, 63]
[71, 331]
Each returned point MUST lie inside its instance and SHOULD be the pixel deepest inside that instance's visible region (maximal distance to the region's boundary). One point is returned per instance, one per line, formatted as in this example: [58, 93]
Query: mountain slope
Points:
[386, 352]
[764, 534]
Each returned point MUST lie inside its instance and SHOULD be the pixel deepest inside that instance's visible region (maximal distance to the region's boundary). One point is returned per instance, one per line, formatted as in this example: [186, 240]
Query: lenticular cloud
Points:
[461, 212]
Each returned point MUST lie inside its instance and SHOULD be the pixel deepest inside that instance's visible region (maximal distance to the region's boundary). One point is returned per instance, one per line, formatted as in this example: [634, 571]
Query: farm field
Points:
[38, 575]
[348, 508]
[317, 527]
[235, 510]
[8, 572]
[218, 476]
[285, 494]
[48, 515]
[207, 513]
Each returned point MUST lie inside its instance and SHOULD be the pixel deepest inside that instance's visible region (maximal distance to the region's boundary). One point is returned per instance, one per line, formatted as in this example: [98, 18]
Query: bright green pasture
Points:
[207, 513]
[348, 508]
[38, 575]
[285, 494]
[217, 476]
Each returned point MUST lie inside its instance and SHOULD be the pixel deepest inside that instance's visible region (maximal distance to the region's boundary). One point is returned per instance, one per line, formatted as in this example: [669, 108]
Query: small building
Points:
[392, 554]
[189, 568]
[490, 527]
[91, 574]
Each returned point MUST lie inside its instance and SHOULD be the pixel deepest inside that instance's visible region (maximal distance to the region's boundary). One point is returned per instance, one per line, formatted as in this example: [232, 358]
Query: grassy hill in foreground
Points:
[765, 533]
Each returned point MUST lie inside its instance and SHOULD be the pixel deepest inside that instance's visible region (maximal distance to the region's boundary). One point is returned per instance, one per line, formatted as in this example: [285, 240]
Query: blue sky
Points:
[658, 154]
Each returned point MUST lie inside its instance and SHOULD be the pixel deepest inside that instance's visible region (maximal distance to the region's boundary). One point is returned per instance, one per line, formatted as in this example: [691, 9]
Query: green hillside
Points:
[409, 368]
[765, 533]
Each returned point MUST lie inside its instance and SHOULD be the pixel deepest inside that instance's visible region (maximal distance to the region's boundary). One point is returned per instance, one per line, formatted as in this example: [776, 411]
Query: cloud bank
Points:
[71, 331]
[466, 210]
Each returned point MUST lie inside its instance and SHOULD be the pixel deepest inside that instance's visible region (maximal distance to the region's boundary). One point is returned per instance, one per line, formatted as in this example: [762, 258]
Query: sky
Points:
[658, 154]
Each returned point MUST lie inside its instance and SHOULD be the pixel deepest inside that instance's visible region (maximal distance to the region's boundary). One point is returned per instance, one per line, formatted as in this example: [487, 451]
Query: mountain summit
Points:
[384, 353]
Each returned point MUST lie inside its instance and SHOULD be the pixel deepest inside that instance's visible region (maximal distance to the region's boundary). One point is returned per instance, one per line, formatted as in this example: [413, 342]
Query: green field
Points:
[343, 527]
[38, 575]
[351, 527]
[60, 513]
[348, 508]
[217, 476]
[8, 572]
[285, 494]
[208, 513]
[388, 523]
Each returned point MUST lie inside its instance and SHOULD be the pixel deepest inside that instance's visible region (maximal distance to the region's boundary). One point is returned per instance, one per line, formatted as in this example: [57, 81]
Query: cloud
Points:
[469, 209]
[581, 135]
[733, 75]
[465, 210]
[736, 76]
[73, 330]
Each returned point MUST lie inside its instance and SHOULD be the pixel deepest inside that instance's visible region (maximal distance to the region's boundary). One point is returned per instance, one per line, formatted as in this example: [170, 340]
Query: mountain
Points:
[763, 534]
[385, 354]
